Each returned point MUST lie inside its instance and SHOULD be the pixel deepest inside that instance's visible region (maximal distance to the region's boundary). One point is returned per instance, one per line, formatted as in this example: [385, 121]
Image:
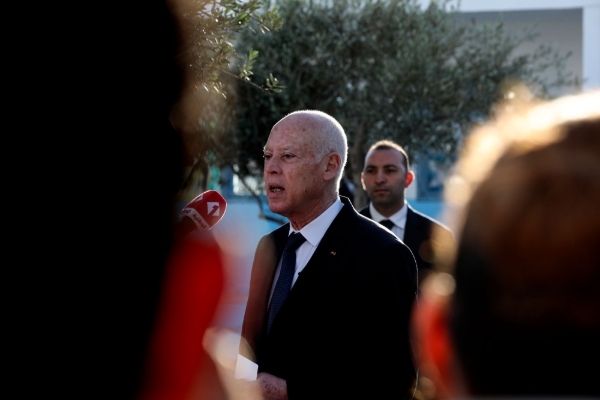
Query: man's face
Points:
[293, 174]
[385, 179]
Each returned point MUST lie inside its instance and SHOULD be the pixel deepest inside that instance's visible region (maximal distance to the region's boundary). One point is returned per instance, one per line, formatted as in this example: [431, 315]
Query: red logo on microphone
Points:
[205, 209]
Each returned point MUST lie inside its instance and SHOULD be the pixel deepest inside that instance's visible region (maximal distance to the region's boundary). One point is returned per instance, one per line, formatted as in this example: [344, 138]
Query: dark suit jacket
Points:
[343, 331]
[418, 236]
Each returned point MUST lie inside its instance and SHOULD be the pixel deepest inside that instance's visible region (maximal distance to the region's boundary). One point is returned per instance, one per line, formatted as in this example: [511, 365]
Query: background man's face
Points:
[384, 178]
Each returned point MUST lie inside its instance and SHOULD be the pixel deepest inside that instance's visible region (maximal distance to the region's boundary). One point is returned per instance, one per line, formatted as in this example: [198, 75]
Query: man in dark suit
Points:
[343, 330]
[385, 177]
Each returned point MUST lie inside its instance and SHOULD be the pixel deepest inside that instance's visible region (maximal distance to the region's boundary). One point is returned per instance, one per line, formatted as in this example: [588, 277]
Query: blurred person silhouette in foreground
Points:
[178, 364]
[385, 177]
[98, 121]
[343, 330]
[515, 312]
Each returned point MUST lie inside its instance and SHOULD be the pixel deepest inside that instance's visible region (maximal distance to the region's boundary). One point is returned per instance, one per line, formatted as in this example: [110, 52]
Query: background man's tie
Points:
[286, 275]
[387, 223]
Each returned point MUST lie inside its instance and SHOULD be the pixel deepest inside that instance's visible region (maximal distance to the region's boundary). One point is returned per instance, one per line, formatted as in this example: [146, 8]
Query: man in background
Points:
[386, 176]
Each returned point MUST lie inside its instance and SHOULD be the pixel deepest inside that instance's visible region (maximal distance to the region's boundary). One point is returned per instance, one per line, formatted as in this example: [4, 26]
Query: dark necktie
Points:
[387, 223]
[286, 275]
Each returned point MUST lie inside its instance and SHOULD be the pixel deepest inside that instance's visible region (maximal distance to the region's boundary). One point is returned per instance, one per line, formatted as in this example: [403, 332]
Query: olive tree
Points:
[211, 64]
[385, 69]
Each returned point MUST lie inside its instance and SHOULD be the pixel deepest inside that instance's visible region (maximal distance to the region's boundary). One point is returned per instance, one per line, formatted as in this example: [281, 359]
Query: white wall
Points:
[591, 46]
[560, 28]
[512, 5]
[558, 24]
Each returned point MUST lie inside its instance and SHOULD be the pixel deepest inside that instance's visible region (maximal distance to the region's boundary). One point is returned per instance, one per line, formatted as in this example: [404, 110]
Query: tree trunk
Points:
[357, 158]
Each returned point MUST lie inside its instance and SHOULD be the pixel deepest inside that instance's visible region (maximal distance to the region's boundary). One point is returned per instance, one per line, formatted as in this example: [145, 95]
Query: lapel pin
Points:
[333, 253]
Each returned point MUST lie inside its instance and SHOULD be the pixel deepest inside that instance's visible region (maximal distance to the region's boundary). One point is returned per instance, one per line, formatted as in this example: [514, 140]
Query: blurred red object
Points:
[192, 288]
[204, 211]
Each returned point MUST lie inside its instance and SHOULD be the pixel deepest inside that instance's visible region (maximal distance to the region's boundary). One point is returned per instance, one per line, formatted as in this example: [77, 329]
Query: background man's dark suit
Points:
[418, 236]
[343, 330]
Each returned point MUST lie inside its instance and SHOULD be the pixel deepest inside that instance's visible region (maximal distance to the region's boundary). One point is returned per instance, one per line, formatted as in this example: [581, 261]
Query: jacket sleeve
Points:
[261, 278]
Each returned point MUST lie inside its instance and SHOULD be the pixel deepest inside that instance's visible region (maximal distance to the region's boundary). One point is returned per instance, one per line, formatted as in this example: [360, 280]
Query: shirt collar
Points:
[315, 230]
[399, 218]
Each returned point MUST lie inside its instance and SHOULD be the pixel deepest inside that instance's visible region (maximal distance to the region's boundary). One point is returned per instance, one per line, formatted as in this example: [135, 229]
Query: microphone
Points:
[202, 213]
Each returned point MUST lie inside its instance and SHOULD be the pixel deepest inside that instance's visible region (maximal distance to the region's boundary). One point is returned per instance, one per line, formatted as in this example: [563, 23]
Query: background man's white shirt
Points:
[399, 219]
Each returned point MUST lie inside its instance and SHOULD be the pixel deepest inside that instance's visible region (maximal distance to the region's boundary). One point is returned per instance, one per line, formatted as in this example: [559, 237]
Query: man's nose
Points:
[272, 166]
[379, 177]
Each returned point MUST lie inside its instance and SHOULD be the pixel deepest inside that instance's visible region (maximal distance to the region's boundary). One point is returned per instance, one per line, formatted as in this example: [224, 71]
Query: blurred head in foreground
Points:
[516, 310]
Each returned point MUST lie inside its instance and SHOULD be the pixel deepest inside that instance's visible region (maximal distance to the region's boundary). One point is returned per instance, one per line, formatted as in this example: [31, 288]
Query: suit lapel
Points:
[410, 229]
[331, 248]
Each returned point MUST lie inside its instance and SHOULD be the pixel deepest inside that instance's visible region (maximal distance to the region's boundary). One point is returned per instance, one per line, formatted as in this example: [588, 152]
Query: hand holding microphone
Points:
[202, 213]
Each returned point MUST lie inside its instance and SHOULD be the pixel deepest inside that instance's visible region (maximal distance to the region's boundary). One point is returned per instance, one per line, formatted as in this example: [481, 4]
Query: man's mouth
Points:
[275, 189]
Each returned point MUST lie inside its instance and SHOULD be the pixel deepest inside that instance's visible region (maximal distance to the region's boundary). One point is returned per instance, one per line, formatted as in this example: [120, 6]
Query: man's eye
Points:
[288, 156]
[266, 156]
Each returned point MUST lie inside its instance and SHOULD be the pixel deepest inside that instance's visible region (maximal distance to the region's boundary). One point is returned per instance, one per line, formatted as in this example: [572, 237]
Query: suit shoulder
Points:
[364, 211]
[427, 219]
[269, 239]
[366, 222]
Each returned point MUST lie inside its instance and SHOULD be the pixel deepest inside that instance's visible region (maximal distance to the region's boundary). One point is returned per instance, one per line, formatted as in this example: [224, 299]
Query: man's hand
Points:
[272, 387]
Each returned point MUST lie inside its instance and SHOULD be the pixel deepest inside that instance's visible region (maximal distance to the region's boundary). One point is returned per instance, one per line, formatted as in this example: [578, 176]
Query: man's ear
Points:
[362, 180]
[410, 176]
[334, 163]
[431, 331]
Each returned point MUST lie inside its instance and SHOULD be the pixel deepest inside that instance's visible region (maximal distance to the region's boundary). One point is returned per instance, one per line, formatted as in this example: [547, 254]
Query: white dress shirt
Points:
[313, 233]
[399, 219]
